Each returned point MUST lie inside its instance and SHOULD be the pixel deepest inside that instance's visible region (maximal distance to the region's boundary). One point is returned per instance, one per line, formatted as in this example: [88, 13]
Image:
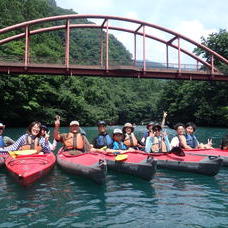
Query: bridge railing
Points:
[94, 62]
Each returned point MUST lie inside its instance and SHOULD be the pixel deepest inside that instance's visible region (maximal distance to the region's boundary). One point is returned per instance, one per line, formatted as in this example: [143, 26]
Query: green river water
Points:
[171, 199]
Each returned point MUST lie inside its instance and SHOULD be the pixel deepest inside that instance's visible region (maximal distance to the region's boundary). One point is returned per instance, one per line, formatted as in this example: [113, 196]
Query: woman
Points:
[32, 140]
[191, 139]
[130, 139]
[180, 139]
[159, 142]
[148, 133]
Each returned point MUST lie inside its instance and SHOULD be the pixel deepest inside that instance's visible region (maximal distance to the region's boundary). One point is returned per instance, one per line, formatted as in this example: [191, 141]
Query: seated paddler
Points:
[159, 142]
[74, 141]
[130, 139]
[118, 143]
[103, 140]
[31, 141]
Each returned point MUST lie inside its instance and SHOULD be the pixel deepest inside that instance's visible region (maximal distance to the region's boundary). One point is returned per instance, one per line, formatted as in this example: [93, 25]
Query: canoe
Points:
[27, 169]
[136, 163]
[89, 165]
[211, 152]
[207, 165]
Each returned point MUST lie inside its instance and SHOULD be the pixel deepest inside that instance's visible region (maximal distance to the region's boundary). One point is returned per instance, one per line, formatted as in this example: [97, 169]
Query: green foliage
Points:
[203, 102]
[25, 98]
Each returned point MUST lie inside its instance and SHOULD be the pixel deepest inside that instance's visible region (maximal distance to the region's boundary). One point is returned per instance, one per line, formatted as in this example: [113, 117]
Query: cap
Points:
[101, 123]
[74, 122]
[44, 127]
[2, 125]
[117, 131]
[149, 124]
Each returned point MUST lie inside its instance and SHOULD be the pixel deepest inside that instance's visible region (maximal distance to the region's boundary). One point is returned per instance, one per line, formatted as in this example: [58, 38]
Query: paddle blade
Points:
[121, 157]
[177, 151]
[25, 152]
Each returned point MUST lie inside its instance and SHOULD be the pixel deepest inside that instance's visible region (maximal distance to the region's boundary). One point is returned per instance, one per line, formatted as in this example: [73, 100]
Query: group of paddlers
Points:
[155, 139]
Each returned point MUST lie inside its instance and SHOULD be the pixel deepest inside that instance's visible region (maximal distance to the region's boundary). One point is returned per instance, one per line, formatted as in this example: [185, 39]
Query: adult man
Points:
[103, 139]
[73, 141]
[4, 140]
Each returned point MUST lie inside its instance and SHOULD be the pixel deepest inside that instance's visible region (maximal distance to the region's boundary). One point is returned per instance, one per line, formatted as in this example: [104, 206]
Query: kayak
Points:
[207, 165]
[26, 169]
[211, 152]
[89, 165]
[134, 163]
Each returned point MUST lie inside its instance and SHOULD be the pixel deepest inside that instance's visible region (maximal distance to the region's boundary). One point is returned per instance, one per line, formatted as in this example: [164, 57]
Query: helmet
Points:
[101, 123]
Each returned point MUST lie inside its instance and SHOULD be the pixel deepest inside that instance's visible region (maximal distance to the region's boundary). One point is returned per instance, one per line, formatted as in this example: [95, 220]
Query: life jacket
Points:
[103, 140]
[2, 143]
[158, 145]
[118, 146]
[191, 140]
[73, 141]
[130, 140]
[31, 144]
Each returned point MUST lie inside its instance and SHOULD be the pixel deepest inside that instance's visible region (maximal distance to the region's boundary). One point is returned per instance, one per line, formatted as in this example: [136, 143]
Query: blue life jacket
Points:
[191, 140]
[103, 140]
[2, 144]
[118, 146]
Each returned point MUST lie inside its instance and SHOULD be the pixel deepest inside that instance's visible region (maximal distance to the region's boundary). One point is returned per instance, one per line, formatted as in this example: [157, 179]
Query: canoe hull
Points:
[28, 169]
[74, 164]
[137, 164]
[211, 152]
[207, 165]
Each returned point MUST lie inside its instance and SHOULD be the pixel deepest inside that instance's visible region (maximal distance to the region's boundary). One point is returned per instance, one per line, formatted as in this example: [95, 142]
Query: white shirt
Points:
[175, 142]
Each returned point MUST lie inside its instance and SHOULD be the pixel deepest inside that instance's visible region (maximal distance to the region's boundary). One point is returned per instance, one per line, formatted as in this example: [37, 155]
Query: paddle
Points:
[16, 153]
[120, 156]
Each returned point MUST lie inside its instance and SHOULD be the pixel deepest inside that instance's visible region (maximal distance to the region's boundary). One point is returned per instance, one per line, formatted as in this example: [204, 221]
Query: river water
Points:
[171, 199]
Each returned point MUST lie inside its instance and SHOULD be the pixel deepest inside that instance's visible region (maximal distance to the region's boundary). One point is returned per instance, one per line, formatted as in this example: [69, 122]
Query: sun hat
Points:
[74, 122]
[149, 124]
[129, 125]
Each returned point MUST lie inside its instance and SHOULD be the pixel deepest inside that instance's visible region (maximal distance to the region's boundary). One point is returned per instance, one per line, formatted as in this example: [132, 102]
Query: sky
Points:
[192, 18]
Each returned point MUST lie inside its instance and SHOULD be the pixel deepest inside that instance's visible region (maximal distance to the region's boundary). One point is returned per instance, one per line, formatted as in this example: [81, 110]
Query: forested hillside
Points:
[27, 98]
[24, 98]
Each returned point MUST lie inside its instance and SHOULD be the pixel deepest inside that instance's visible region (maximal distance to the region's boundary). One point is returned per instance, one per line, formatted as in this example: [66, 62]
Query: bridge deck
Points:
[113, 71]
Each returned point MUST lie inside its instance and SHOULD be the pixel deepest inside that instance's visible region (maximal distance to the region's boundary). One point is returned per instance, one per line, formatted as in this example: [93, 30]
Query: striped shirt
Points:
[23, 141]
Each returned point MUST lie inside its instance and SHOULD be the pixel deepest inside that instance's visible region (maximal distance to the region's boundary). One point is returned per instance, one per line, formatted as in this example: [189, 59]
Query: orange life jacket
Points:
[130, 140]
[158, 145]
[73, 141]
[31, 144]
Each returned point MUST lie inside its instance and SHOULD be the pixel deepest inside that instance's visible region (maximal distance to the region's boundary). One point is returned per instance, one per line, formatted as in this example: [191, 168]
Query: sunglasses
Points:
[157, 129]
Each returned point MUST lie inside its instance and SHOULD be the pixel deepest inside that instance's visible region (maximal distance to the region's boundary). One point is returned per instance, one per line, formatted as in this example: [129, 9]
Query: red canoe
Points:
[136, 164]
[207, 165]
[26, 169]
[89, 165]
[211, 152]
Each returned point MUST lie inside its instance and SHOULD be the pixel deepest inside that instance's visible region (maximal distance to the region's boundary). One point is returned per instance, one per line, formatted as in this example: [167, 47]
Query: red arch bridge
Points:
[202, 70]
